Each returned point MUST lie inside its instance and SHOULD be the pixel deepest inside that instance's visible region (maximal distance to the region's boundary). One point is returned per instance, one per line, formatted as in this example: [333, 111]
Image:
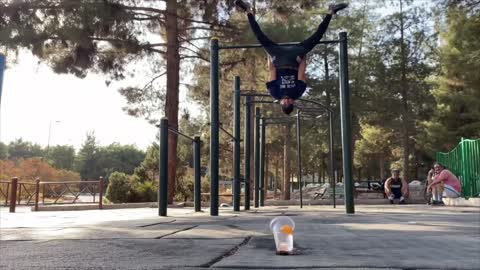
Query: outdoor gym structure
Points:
[306, 109]
[215, 127]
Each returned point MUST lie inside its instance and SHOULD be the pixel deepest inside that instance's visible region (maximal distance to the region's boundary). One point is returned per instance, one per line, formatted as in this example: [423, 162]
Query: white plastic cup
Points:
[282, 228]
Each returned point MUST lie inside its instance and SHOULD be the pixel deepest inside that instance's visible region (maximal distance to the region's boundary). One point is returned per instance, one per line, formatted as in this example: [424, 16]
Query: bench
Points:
[372, 187]
[220, 195]
[328, 193]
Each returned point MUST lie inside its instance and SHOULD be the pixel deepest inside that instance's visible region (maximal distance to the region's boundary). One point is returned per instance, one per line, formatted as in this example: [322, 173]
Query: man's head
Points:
[438, 167]
[395, 173]
[287, 105]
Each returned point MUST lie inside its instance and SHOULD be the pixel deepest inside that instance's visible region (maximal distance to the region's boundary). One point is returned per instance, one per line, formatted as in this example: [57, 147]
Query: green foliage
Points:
[23, 149]
[457, 87]
[123, 188]
[119, 188]
[148, 169]
[3, 151]
[94, 161]
[121, 158]
[87, 162]
[143, 191]
[62, 156]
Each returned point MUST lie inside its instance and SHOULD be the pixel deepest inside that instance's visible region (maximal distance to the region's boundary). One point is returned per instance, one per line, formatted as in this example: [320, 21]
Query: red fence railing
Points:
[16, 192]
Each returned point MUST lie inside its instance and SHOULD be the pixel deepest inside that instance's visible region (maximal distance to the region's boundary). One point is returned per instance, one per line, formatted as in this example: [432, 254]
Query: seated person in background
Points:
[396, 188]
[442, 183]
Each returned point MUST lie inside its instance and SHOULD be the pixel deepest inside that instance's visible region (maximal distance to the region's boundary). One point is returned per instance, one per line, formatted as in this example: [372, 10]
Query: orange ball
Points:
[286, 229]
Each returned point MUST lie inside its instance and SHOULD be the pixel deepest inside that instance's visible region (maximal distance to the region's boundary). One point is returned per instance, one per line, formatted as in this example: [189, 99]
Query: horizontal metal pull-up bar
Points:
[248, 46]
[180, 133]
[251, 93]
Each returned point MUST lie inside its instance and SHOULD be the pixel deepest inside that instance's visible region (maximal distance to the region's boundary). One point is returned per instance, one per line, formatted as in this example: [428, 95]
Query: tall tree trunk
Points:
[404, 91]
[286, 163]
[313, 173]
[319, 172]
[171, 103]
[267, 173]
[382, 166]
[275, 182]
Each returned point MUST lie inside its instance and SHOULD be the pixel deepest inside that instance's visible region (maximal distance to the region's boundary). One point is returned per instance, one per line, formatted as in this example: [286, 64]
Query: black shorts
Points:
[397, 192]
[278, 90]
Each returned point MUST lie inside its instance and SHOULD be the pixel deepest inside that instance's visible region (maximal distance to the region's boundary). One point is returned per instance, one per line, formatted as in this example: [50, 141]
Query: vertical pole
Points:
[346, 126]
[19, 195]
[262, 162]
[256, 153]
[100, 193]
[236, 145]
[214, 127]
[197, 185]
[299, 160]
[37, 192]
[246, 149]
[13, 194]
[331, 157]
[163, 168]
[275, 183]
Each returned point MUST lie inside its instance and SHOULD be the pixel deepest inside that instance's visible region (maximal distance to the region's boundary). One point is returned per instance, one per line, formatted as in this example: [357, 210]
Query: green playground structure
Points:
[464, 162]
[307, 109]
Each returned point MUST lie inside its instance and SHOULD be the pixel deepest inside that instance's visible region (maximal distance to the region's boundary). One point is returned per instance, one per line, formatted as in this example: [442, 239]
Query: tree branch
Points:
[154, 79]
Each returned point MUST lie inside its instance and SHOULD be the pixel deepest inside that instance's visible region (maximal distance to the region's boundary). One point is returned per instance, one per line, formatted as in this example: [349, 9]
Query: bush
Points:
[118, 189]
[145, 192]
[184, 190]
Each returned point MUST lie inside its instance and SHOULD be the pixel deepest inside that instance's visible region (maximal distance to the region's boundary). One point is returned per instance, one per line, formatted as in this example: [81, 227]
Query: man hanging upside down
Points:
[287, 64]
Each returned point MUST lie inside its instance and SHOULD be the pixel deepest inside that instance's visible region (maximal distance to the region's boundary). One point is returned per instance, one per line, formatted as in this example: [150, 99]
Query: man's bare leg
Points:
[272, 71]
[302, 67]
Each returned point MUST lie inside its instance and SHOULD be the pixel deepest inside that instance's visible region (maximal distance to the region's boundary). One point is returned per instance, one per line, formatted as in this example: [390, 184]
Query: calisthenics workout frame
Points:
[215, 48]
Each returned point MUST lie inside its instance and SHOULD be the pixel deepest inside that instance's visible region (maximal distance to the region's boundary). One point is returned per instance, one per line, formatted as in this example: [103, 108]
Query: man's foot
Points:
[391, 201]
[402, 202]
[243, 6]
[438, 203]
[334, 8]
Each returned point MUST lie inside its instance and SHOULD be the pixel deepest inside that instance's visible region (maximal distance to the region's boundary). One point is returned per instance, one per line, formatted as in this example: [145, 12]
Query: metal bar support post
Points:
[256, 153]
[163, 168]
[331, 157]
[299, 160]
[247, 152]
[262, 162]
[236, 144]
[214, 126]
[345, 123]
[197, 144]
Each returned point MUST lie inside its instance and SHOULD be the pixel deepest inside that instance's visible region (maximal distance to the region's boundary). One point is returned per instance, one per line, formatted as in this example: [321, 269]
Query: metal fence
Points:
[464, 162]
[14, 192]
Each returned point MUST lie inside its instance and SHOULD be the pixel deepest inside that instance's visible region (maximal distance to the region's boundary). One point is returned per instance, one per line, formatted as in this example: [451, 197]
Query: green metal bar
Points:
[247, 144]
[463, 164]
[262, 162]
[197, 144]
[236, 145]
[248, 46]
[346, 126]
[214, 127]
[331, 157]
[256, 153]
[299, 160]
[163, 168]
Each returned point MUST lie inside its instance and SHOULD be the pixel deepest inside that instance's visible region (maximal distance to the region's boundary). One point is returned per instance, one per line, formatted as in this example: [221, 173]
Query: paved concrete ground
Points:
[379, 237]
